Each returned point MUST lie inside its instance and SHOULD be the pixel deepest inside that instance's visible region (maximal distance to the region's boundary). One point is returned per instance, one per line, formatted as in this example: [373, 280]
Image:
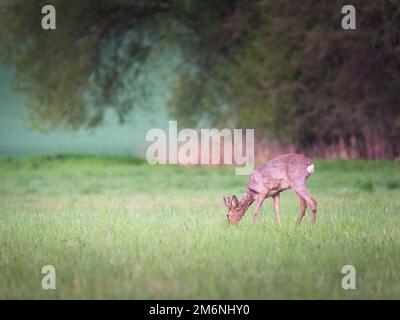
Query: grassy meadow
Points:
[120, 228]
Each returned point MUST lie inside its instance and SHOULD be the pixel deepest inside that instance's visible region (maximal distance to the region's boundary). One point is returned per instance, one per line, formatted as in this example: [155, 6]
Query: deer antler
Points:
[227, 202]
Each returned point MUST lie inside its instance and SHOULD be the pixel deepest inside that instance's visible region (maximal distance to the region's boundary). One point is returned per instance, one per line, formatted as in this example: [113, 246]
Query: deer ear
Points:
[234, 202]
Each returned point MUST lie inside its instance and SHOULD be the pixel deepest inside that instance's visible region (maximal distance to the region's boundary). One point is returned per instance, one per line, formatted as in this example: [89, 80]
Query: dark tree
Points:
[285, 67]
[72, 74]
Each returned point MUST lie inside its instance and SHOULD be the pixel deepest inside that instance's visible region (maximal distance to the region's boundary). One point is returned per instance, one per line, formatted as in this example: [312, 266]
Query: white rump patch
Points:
[310, 168]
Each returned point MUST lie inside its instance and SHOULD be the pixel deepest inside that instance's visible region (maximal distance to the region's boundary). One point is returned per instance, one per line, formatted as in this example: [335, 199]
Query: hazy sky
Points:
[111, 138]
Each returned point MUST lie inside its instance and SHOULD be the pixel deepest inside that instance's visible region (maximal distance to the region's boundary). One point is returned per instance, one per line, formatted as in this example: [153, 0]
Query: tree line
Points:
[285, 68]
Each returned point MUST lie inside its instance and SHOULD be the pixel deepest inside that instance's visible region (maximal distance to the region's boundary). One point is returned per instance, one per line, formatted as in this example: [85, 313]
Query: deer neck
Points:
[244, 204]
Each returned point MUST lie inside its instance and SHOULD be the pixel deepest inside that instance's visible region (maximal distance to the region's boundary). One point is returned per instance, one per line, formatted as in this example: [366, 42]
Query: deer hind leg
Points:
[276, 208]
[259, 201]
[302, 191]
[303, 207]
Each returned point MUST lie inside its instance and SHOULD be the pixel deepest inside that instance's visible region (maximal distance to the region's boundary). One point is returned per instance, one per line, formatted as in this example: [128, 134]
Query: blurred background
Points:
[18, 137]
[114, 69]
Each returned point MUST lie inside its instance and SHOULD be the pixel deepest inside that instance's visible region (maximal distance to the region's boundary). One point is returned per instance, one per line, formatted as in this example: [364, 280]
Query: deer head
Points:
[233, 214]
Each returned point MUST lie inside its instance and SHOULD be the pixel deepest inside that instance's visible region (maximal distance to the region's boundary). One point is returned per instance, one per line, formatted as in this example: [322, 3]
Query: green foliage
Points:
[285, 68]
[300, 77]
[115, 228]
[72, 74]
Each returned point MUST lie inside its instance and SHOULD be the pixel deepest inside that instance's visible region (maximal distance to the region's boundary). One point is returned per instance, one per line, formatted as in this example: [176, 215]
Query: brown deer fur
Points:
[281, 173]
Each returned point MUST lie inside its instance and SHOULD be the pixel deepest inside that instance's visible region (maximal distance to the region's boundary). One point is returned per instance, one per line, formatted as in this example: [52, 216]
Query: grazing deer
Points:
[281, 173]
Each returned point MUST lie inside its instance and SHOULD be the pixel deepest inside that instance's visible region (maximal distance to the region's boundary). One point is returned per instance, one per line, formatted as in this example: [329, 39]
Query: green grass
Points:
[119, 228]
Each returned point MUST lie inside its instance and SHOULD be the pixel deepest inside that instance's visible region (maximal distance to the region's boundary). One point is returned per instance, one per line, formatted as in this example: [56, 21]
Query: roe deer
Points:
[281, 173]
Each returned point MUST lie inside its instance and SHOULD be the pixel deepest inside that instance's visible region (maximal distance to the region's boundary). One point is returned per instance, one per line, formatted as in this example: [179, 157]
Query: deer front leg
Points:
[276, 208]
[259, 201]
[303, 207]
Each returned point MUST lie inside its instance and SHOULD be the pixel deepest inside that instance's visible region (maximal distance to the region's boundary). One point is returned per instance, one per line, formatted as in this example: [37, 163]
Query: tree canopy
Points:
[285, 68]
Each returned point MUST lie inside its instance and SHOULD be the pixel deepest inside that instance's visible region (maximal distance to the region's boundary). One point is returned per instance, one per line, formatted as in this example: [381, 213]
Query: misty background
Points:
[111, 70]
[18, 138]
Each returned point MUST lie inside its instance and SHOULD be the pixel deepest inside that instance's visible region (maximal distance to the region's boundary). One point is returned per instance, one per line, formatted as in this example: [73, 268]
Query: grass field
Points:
[119, 228]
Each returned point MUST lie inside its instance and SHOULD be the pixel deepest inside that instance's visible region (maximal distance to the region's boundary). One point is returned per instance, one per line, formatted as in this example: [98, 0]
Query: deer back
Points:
[280, 173]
